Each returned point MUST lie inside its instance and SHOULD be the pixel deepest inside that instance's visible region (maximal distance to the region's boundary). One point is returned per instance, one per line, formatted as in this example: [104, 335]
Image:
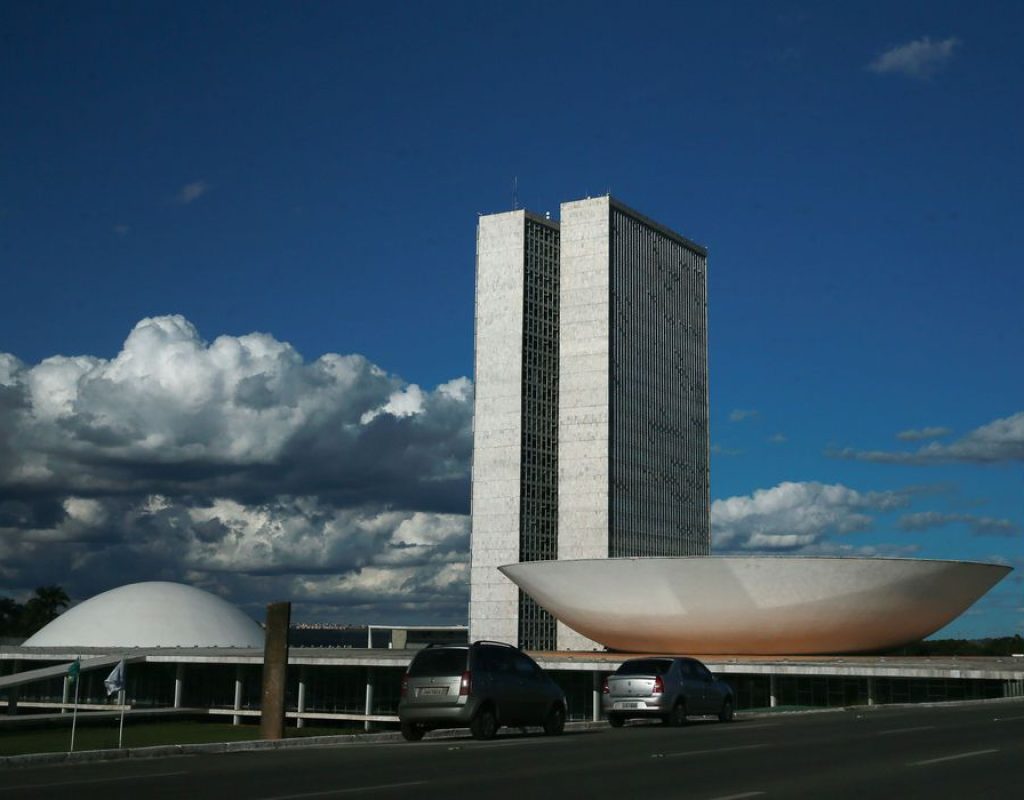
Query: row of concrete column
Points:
[1012, 689]
[773, 691]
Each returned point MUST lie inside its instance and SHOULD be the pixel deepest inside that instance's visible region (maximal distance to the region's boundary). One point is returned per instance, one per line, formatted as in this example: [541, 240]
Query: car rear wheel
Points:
[484, 724]
[412, 732]
[616, 720]
[554, 722]
[677, 716]
[726, 714]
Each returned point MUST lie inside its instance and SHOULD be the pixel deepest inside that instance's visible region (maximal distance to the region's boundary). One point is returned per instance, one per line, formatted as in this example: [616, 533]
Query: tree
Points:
[24, 619]
[10, 616]
[43, 607]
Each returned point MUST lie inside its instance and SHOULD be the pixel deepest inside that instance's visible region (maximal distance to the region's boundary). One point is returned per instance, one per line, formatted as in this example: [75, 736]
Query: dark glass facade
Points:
[538, 512]
[658, 415]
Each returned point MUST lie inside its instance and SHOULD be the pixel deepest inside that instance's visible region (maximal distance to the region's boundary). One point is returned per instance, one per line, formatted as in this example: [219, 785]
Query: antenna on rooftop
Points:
[515, 193]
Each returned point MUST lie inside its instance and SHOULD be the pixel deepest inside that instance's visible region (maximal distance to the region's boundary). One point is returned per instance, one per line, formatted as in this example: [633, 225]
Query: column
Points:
[65, 694]
[179, 683]
[275, 671]
[301, 705]
[14, 691]
[773, 691]
[367, 725]
[596, 711]
[237, 718]
[871, 691]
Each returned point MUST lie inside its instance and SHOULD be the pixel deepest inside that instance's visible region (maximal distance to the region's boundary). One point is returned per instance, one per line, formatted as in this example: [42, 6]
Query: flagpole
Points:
[74, 715]
[120, 730]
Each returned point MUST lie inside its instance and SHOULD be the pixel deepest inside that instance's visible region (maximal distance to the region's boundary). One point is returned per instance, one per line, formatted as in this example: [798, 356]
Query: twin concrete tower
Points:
[591, 423]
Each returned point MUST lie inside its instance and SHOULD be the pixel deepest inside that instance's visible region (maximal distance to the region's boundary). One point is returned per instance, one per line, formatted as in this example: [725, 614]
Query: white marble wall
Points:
[494, 600]
[583, 389]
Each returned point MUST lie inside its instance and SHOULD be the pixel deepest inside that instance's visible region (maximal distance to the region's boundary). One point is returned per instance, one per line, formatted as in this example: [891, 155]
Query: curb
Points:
[351, 740]
[166, 750]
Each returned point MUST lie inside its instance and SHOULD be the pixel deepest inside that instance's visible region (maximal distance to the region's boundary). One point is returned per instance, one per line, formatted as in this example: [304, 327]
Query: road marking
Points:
[907, 730]
[952, 758]
[708, 752]
[1006, 719]
[743, 727]
[515, 741]
[90, 780]
[738, 796]
[378, 788]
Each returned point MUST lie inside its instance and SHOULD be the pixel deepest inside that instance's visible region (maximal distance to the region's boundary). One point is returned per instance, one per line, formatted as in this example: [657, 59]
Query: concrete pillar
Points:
[179, 684]
[367, 725]
[871, 691]
[773, 691]
[596, 687]
[237, 718]
[12, 693]
[301, 705]
[65, 694]
[275, 671]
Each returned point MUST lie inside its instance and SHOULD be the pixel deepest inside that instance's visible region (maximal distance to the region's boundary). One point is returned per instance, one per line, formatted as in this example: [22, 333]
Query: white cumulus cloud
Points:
[793, 516]
[236, 465]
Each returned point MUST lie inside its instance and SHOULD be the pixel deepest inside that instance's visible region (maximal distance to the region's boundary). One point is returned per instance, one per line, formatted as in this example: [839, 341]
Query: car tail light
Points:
[605, 688]
[659, 685]
[465, 683]
[405, 685]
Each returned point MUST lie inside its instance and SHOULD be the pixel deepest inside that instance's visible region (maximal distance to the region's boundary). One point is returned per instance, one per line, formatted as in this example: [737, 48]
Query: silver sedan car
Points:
[667, 688]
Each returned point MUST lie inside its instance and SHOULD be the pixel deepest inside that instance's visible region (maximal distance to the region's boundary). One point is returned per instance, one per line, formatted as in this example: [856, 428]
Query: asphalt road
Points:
[966, 751]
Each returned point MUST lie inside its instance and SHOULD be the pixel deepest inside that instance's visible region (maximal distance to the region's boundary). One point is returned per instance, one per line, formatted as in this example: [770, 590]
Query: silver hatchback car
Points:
[483, 685]
[666, 688]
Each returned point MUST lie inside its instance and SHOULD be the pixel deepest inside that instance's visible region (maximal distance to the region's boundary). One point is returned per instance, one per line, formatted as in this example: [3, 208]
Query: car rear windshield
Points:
[645, 666]
[436, 663]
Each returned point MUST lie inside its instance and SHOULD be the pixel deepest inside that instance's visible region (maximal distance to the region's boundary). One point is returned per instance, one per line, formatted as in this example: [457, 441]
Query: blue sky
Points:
[313, 173]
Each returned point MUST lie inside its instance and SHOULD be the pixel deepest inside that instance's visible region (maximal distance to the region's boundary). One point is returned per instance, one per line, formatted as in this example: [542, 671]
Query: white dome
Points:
[154, 614]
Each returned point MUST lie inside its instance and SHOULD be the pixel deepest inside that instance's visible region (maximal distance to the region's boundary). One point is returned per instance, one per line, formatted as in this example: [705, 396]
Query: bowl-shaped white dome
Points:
[755, 605]
[154, 614]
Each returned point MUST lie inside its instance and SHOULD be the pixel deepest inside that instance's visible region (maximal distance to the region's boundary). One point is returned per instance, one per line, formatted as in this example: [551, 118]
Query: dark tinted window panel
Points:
[658, 493]
[538, 535]
[647, 666]
[437, 663]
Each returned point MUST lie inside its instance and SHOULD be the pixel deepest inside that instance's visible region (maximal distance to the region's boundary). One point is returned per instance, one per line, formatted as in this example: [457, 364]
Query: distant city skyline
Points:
[238, 252]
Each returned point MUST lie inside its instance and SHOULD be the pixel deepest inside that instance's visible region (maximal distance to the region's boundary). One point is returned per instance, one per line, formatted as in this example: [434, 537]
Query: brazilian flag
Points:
[73, 669]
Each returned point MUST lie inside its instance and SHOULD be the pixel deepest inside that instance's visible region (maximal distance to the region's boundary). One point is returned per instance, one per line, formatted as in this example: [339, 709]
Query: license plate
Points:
[433, 691]
[628, 705]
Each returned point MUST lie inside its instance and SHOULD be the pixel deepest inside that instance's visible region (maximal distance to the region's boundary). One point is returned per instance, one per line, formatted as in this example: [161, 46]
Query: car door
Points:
[532, 689]
[488, 681]
[694, 687]
[713, 691]
[507, 691]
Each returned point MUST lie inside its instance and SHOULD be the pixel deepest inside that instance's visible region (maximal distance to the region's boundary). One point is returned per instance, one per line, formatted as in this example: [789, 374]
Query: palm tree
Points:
[43, 607]
[10, 616]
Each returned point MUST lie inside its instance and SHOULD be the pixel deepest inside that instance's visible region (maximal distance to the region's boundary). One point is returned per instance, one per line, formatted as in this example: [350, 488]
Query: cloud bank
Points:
[238, 466]
[922, 434]
[998, 442]
[979, 526]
